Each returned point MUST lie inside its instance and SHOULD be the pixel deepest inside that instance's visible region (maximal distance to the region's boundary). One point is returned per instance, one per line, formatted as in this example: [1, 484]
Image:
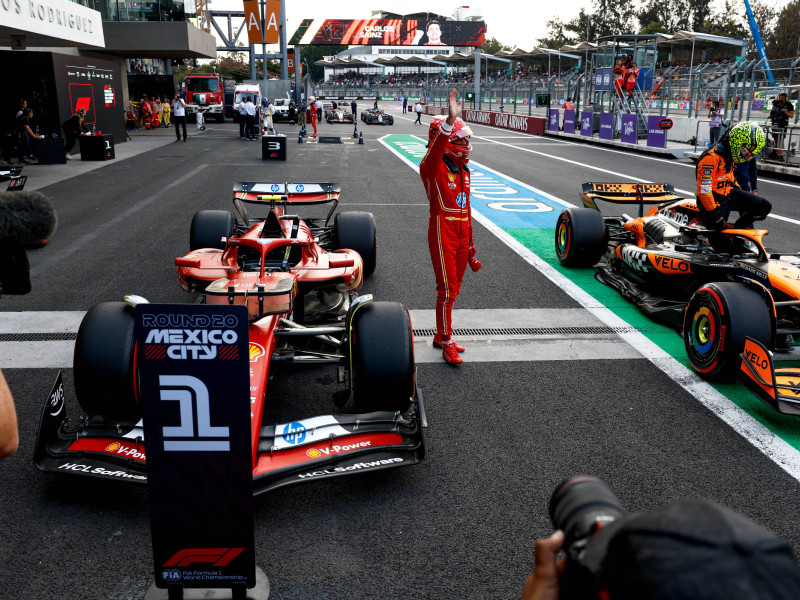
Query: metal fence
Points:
[744, 88]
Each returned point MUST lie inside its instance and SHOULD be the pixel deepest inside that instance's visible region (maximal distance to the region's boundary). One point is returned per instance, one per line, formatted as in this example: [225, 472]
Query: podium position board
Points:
[193, 368]
[96, 147]
[273, 147]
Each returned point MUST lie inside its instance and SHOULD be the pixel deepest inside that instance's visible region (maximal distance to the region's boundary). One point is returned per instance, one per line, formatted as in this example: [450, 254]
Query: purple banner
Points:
[656, 138]
[586, 124]
[758, 105]
[553, 120]
[628, 133]
[607, 126]
[569, 121]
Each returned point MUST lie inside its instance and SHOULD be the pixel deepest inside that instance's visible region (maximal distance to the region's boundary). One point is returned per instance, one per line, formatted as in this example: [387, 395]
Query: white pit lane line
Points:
[772, 446]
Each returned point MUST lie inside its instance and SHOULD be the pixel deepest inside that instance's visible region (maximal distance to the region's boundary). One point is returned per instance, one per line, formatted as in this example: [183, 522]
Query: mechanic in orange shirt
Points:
[312, 115]
[446, 177]
[717, 191]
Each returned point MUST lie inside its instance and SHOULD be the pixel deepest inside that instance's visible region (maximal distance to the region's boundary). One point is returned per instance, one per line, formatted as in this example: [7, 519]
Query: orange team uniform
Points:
[619, 78]
[630, 83]
[569, 105]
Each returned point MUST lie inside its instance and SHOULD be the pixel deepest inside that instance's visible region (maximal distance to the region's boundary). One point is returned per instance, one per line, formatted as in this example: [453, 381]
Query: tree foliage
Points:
[492, 45]
[312, 54]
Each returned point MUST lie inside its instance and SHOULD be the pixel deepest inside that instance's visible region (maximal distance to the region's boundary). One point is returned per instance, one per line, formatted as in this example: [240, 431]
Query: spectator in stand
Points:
[72, 128]
[28, 136]
[632, 74]
[179, 116]
[782, 111]
[715, 113]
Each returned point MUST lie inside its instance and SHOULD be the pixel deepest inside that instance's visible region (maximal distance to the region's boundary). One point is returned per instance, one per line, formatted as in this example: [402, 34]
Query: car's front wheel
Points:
[382, 358]
[102, 364]
[580, 237]
[717, 321]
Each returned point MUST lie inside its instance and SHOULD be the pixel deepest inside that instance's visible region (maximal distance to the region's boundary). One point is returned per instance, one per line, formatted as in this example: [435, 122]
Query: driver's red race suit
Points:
[449, 225]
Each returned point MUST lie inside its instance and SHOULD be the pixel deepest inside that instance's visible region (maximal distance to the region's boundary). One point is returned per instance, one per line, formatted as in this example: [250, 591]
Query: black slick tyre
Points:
[209, 227]
[356, 230]
[103, 362]
[382, 360]
[580, 237]
[718, 319]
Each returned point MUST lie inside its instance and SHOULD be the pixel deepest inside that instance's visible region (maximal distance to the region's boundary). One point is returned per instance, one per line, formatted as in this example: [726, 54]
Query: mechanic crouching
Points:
[445, 175]
[717, 191]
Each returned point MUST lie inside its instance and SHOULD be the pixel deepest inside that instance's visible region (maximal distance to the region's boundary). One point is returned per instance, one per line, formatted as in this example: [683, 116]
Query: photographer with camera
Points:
[688, 550]
[782, 111]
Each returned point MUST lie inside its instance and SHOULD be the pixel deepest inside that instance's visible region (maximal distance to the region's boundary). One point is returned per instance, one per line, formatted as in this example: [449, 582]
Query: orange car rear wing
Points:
[628, 193]
[777, 388]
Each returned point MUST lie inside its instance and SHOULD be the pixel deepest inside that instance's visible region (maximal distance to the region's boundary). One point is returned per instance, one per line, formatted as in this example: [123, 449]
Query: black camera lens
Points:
[580, 507]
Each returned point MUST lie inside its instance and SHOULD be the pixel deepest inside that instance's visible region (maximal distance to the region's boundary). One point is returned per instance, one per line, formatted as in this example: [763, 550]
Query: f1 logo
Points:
[192, 394]
[218, 557]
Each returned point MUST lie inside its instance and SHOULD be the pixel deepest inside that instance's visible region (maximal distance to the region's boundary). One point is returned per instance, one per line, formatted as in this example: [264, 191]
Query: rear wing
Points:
[628, 193]
[259, 192]
[777, 388]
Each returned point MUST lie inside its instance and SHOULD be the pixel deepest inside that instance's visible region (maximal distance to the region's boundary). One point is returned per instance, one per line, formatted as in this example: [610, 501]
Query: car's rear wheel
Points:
[718, 319]
[391, 120]
[103, 362]
[580, 237]
[356, 230]
[382, 361]
[209, 227]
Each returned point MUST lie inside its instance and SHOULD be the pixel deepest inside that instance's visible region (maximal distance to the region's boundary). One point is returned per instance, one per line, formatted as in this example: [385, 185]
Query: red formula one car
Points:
[299, 279]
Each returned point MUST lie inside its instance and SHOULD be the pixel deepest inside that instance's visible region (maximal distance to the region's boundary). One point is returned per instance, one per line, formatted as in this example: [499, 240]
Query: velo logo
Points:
[192, 394]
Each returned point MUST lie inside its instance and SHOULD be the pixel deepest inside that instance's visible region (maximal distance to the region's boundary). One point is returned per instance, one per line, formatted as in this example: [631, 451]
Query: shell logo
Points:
[113, 447]
[256, 352]
[313, 453]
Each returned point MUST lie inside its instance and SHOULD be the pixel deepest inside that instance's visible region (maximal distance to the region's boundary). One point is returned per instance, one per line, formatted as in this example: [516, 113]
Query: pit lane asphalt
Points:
[501, 436]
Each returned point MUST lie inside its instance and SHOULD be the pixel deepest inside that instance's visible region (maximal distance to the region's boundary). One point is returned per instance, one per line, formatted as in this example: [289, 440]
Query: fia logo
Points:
[192, 395]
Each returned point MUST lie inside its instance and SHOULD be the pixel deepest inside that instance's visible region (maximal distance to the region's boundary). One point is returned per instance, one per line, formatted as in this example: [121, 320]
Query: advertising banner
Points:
[272, 19]
[95, 85]
[553, 119]
[569, 121]
[607, 126]
[656, 137]
[628, 132]
[586, 124]
[521, 123]
[389, 32]
[602, 80]
[193, 366]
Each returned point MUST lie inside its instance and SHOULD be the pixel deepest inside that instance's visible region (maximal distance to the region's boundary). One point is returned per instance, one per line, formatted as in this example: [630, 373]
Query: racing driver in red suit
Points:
[446, 177]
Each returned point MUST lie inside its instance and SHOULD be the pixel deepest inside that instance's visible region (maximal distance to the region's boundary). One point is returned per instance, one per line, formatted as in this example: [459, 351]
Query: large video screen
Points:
[95, 85]
[390, 32]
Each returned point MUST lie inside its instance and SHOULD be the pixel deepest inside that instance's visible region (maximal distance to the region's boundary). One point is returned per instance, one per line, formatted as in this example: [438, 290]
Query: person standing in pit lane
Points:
[445, 175]
[312, 115]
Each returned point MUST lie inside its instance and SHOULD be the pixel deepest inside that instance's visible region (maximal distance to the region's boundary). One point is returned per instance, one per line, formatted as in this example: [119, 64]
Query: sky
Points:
[516, 23]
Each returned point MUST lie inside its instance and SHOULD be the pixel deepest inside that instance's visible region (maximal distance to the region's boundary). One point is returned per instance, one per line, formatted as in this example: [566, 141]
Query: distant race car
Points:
[12, 174]
[338, 115]
[734, 302]
[375, 116]
[299, 279]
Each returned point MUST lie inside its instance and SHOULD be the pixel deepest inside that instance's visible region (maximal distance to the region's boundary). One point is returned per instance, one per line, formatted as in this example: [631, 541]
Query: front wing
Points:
[777, 388]
[304, 450]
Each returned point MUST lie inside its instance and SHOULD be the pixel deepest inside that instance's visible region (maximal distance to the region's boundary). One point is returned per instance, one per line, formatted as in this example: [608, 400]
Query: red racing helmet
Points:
[458, 146]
